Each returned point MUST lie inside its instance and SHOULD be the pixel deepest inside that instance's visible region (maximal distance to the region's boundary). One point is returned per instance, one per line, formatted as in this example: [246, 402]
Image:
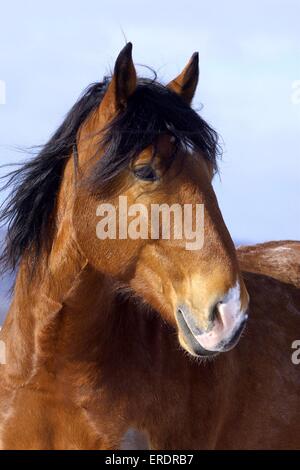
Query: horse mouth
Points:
[192, 344]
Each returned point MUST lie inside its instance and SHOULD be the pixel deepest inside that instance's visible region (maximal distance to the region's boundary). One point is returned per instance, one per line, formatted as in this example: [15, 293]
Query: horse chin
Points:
[195, 349]
[193, 346]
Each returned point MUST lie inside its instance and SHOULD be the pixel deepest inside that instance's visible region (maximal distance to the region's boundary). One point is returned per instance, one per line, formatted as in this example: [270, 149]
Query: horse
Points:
[105, 335]
[279, 259]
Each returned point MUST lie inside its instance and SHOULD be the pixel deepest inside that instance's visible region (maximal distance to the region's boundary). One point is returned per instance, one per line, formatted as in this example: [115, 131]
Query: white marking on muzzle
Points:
[229, 319]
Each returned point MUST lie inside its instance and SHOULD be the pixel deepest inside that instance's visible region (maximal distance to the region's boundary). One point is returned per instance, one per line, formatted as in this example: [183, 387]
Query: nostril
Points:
[214, 313]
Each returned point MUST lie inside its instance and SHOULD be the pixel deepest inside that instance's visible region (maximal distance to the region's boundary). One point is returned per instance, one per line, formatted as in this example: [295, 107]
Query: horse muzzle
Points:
[225, 326]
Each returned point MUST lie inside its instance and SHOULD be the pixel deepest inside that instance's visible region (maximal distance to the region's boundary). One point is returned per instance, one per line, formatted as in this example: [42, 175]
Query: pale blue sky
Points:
[249, 59]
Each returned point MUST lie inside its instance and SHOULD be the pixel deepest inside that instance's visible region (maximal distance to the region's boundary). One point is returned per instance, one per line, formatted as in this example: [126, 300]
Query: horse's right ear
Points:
[122, 85]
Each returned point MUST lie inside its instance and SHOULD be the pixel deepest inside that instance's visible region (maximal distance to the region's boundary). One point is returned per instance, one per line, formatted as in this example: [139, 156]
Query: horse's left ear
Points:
[186, 83]
[123, 83]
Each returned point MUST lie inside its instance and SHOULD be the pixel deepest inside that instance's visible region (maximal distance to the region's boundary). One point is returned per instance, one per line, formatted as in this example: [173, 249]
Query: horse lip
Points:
[190, 339]
[196, 347]
[227, 346]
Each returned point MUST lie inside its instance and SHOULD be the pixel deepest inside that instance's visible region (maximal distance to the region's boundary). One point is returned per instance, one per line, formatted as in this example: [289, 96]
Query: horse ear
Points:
[186, 83]
[123, 82]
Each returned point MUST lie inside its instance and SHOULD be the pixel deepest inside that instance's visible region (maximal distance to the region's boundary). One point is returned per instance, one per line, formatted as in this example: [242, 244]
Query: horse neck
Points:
[58, 310]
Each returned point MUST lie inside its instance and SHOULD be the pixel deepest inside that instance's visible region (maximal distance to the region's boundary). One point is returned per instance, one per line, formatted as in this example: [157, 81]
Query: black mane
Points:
[151, 110]
[35, 185]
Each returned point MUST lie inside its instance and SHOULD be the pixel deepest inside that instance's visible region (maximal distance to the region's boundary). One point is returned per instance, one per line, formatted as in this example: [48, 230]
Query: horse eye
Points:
[145, 173]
